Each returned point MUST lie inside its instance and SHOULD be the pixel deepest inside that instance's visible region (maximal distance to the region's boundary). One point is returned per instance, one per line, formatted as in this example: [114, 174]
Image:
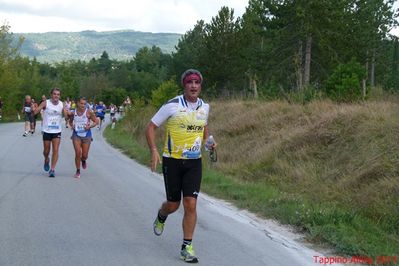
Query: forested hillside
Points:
[341, 50]
[121, 45]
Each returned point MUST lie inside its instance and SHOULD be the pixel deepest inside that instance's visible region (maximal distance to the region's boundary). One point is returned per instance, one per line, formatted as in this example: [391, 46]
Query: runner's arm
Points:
[67, 113]
[150, 135]
[93, 118]
[206, 133]
[36, 110]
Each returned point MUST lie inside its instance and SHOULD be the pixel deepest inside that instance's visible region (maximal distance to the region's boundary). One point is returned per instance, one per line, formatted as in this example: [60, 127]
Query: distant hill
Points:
[122, 45]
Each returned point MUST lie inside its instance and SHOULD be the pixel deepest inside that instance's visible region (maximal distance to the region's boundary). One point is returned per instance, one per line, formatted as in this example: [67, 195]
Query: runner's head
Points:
[55, 94]
[44, 97]
[28, 99]
[190, 74]
[81, 103]
[191, 80]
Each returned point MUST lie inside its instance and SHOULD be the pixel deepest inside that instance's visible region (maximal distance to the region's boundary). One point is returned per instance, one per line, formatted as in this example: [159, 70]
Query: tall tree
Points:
[221, 47]
[371, 21]
[190, 50]
[253, 45]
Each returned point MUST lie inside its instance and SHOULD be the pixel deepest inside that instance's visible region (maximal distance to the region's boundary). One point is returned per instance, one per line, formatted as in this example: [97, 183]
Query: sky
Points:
[175, 16]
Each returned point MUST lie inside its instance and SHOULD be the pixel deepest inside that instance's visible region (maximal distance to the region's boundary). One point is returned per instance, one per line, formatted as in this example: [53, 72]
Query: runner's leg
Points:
[27, 127]
[46, 150]
[190, 217]
[54, 157]
[77, 145]
[85, 150]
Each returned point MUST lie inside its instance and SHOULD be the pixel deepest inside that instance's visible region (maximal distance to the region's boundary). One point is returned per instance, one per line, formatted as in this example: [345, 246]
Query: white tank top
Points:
[52, 117]
[80, 121]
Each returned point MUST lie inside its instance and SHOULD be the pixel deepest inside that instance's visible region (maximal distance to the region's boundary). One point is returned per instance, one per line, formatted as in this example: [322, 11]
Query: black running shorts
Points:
[29, 118]
[181, 176]
[50, 136]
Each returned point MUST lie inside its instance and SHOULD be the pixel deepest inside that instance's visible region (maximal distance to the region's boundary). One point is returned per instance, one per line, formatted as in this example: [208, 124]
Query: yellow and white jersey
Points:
[185, 122]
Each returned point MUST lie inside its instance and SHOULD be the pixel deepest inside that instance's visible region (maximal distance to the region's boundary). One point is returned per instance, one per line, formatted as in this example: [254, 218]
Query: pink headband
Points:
[190, 77]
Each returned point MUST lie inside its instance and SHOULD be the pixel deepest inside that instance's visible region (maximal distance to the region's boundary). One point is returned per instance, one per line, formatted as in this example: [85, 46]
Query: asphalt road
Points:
[105, 218]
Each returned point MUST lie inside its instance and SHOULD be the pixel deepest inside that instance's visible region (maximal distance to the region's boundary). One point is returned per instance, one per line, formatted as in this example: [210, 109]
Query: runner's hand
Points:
[155, 159]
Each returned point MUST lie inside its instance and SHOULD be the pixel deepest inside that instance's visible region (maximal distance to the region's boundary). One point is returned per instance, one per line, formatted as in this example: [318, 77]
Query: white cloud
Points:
[144, 15]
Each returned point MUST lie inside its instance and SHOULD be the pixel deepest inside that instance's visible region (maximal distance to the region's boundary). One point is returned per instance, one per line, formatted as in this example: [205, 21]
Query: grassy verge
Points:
[120, 139]
[331, 170]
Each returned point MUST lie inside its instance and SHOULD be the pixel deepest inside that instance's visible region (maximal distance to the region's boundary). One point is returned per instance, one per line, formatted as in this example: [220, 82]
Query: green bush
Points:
[305, 95]
[167, 90]
[344, 85]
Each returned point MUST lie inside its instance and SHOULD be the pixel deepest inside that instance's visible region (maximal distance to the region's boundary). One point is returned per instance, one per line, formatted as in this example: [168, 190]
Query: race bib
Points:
[194, 151]
[54, 123]
[27, 109]
[80, 130]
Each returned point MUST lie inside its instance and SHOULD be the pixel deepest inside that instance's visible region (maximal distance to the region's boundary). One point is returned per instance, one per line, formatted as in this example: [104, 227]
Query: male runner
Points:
[52, 117]
[186, 119]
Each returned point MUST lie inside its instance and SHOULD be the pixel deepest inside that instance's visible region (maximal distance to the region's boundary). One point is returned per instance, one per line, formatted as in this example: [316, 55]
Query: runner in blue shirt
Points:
[100, 112]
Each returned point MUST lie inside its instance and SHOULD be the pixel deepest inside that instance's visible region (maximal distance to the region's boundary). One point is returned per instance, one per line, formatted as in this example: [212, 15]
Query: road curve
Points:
[105, 218]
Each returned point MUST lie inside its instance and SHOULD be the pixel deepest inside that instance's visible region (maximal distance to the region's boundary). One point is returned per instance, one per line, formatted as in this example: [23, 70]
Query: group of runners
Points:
[80, 118]
[186, 121]
[80, 115]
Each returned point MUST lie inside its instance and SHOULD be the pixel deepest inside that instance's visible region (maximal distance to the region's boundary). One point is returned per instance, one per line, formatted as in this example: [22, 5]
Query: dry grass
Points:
[342, 152]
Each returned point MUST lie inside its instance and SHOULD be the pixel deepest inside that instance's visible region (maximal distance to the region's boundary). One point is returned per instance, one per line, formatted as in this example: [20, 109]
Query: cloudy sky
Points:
[102, 15]
[142, 15]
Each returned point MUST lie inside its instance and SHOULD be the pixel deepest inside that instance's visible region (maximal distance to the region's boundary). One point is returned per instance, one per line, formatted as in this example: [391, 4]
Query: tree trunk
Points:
[255, 87]
[372, 70]
[364, 89]
[298, 59]
[308, 57]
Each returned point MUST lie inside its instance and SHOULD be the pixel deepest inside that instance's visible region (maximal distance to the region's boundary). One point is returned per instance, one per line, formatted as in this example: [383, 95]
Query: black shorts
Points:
[29, 118]
[50, 136]
[181, 176]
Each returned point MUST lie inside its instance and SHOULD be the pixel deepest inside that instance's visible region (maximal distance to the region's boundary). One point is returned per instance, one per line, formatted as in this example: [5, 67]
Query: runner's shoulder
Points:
[174, 100]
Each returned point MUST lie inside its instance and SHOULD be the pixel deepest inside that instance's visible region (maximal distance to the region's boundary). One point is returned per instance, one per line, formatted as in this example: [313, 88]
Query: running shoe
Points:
[25, 134]
[158, 227]
[46, 166]
[51, 173]
[77, 174]
[84, 164]
[188, 255]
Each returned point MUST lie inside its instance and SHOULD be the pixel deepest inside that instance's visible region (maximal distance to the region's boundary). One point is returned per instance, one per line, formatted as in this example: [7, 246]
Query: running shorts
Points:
[181, 176]
[84, 140]
[50, 136]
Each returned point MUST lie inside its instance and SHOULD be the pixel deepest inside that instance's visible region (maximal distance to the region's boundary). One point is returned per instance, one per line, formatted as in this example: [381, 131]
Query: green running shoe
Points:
[158, 227]
[188, 255]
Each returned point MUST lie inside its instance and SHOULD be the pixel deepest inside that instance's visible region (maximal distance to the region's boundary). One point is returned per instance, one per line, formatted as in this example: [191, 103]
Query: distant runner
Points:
[68, 105]
[43, 99]
[1, 108]
[100, 112]
[112, 111]
[34, 117]
[28, 117]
